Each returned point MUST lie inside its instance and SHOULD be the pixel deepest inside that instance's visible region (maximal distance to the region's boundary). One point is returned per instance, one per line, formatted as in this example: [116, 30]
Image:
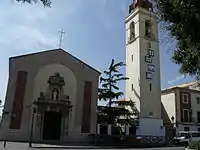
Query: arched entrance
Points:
[52, 125]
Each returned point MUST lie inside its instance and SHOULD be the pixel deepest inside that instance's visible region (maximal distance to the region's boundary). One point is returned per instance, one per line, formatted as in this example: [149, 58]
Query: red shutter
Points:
[20, 87]
[87, 97]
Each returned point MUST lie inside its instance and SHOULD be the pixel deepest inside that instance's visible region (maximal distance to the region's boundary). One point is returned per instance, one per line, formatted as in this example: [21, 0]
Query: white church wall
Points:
[147, 102]
[133, 63]
[132, 72]
[150, 98]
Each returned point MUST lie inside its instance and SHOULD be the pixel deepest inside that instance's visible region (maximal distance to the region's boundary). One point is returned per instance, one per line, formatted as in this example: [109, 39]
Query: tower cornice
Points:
[140, 10]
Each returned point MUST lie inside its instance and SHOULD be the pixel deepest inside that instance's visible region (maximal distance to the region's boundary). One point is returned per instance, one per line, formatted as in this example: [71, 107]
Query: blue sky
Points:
[95, 33]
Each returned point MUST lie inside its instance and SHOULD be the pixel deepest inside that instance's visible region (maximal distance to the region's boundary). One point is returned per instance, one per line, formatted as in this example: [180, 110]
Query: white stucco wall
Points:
[146, 101]
[169, 104]
[151, 127]
[195, 107]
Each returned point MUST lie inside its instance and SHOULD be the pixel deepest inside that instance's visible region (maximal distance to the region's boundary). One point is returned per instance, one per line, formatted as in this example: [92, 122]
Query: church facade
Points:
[51, 94]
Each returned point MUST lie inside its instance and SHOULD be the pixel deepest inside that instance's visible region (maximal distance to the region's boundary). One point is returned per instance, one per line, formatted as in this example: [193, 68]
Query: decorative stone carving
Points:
[57, 80]
[55, 94]
[141, 3]
[54, 98]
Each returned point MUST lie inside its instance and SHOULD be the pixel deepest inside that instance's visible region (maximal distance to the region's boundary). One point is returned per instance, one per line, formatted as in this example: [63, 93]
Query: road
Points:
[24, 146]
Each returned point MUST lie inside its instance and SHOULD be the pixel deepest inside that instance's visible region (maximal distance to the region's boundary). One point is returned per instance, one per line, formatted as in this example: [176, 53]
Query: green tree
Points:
[182, 19]
[44, 2]
[120, 114]
[109, 92]
[109, 89]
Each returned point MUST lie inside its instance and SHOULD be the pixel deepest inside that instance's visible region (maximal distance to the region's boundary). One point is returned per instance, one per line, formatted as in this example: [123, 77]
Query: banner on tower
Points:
[150, 67]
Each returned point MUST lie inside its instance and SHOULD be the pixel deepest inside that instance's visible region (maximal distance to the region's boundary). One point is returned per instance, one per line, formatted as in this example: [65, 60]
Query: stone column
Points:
[127, 129]
[109, 129]
[63, 127]
[66, 126]
[98, 128]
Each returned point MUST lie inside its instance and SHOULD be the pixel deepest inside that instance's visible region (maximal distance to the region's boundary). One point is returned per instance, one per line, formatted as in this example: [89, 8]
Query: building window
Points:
[150, 87]
[132, 31]
[198, 117]
[198, 100]
[186, 129]
[148, 28]
[186, 115]
[185, 98]
[151, 114]
[132, 58]
[132, 88]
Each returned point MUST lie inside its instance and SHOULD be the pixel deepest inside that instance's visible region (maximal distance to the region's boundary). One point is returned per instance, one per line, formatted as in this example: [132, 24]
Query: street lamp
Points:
[173, 125]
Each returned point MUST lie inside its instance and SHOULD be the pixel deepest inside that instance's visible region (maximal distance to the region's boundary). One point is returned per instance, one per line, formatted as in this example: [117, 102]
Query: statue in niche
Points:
[55, 93]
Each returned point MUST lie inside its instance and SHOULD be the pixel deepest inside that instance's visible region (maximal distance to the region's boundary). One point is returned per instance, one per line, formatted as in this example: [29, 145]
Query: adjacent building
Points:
[181, 107]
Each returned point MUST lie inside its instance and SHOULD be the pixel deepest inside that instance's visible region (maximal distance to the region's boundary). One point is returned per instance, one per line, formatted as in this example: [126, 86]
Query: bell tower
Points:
[143, 67]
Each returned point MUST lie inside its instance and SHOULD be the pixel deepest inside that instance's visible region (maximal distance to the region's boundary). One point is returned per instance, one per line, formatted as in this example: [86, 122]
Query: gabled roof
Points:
[181, 86]
[47, 51]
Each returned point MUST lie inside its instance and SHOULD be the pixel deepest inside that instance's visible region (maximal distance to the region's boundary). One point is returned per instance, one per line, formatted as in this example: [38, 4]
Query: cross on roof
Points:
[61, 37]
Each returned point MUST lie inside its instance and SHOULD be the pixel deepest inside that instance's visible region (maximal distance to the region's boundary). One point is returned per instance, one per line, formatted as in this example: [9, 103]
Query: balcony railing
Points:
[190, 120]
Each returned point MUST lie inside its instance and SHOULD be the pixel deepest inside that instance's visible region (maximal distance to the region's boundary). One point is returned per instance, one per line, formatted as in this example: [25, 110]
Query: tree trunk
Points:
[110, 100]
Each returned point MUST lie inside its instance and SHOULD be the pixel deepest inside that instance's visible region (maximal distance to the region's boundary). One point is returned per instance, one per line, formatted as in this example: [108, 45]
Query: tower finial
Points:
[141, 3]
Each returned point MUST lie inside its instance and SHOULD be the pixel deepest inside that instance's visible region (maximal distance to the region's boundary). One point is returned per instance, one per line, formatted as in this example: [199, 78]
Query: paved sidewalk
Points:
[24, 146]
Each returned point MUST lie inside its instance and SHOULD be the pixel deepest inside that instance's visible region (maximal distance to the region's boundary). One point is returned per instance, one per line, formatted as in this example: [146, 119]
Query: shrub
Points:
[194, 145]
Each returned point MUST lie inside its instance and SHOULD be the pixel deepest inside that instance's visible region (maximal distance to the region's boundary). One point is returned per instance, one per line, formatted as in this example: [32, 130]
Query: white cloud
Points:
[27, 36]
[25, 28]
[177, 79]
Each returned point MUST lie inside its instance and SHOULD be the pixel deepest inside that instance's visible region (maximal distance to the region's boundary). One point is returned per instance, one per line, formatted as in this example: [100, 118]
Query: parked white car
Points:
[185, 137]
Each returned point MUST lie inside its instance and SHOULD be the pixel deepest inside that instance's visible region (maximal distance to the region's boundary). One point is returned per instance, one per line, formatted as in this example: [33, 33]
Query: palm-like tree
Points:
[109, 91]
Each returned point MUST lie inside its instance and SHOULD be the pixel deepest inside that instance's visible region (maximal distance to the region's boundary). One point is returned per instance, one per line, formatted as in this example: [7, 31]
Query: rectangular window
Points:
[186, 115]
[132, 58]
[186, 129]
[198, 100]
[147, 28]
[151, 114]
[18, 103]
[150, 87]
[86, 108]
[198, 117]
[132, 87]
[185, 98]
